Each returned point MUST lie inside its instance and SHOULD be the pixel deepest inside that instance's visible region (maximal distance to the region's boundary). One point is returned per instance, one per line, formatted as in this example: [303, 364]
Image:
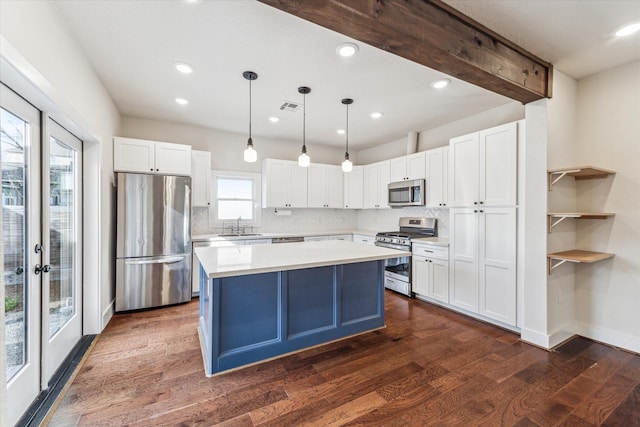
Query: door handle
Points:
[42, 269]
[170, 260]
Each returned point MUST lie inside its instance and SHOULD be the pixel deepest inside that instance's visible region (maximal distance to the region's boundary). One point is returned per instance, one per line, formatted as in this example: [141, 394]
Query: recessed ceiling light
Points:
[182, 101]
[274, 119]
[347, 49]
[376, 115]
[627, 30]
[183, 67]
[341, 131]
[439, 84]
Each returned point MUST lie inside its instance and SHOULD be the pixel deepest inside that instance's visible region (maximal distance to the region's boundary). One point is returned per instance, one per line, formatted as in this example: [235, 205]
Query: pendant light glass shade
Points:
[250, 154]
[347, 166]
[303, 159]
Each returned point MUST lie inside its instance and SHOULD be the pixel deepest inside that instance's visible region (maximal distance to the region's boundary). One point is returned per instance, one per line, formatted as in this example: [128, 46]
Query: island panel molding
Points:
[251, 318]
[436, 35]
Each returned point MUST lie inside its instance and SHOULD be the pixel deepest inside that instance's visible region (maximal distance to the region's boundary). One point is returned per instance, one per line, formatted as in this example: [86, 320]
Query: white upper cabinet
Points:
[354, 188]
[437, 162]
[284, 184]
[325, 186]
[200, 178]
[139, 155]
[376, 181]
[499, 165]
[411, 166]
[483, 167]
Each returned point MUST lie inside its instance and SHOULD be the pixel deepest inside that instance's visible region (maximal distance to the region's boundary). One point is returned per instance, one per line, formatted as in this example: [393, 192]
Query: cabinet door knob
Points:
[481, 202]
[475, 211]
[475, 203]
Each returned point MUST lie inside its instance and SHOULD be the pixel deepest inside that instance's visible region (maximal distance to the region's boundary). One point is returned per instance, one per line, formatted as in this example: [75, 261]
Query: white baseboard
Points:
[608, 336]
[107, 314]
[562, 334]
[536, 338]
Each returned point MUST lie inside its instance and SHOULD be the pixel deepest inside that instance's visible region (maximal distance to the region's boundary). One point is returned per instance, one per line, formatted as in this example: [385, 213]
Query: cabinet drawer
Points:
[430, 251]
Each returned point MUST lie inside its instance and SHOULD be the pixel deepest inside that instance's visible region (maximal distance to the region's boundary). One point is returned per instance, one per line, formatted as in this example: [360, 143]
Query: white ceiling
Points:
[133, 44]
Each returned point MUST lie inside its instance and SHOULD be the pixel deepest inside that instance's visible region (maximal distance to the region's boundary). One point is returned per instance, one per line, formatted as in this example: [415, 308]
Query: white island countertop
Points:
[254, 259]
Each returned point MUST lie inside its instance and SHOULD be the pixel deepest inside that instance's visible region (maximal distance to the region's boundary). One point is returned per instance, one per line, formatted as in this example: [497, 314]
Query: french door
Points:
[41, 241]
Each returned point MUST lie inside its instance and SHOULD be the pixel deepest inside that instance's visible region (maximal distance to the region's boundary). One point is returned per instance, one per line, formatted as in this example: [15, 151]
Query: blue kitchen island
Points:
[263, 301]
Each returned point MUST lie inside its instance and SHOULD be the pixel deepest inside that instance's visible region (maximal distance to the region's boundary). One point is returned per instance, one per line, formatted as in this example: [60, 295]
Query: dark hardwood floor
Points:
[429, 366]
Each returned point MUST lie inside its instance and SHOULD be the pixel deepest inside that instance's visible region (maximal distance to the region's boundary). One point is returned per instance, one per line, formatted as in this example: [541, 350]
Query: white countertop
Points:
[253, 259]
[214, 237]
[440, 241]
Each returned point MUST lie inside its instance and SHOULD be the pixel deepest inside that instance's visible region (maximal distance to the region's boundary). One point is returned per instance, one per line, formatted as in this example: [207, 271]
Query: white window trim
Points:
[214, 222]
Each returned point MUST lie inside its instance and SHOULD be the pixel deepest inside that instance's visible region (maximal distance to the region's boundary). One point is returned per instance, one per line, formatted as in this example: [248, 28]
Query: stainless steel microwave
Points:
[407, 193]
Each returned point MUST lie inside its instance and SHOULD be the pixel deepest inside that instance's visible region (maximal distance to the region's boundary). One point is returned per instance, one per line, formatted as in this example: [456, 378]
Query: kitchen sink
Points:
[239, 234]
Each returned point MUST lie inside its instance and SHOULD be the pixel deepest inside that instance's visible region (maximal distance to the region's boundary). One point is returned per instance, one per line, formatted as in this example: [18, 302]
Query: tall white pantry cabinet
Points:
[483, 199]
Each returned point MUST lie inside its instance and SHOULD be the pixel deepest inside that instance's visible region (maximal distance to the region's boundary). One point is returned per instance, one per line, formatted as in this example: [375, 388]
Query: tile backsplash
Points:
[314, 220]
[387, 219]
[300, 220]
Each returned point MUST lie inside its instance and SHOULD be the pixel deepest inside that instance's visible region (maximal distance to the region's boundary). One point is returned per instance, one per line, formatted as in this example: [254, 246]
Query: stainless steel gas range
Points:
[397, 271]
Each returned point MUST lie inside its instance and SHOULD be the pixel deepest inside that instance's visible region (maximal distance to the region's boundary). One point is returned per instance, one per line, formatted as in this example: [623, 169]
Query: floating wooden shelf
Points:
[577, 256]
[579, 172]
[561, 216]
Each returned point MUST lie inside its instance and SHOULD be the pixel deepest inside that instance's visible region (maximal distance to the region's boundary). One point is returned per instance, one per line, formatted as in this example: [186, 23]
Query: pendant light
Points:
[347, 166]
[304, 160]
[250, 155]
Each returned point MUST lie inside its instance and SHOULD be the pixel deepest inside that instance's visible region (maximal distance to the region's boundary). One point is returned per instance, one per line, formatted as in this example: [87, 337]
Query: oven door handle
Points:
[393, 246]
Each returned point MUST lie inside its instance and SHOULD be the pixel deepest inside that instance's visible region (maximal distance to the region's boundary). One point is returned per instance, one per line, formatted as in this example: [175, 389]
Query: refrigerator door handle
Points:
[164, 260]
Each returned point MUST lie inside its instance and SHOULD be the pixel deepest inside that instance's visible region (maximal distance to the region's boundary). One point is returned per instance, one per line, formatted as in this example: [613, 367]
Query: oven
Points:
[397, 271]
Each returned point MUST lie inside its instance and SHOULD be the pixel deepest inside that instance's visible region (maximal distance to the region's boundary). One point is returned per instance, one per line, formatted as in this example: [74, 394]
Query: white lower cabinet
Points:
[482, 268]
[430, 271]
[315, 238]
[361, 238]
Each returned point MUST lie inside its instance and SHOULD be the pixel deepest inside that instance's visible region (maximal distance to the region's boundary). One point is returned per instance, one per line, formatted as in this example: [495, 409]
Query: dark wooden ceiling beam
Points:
[433, 34]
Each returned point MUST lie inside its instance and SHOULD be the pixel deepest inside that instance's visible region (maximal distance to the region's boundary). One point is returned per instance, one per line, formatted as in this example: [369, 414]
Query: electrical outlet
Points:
[560, 297]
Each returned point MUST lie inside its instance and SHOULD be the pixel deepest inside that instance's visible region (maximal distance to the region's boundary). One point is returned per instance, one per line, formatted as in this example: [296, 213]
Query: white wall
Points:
[439, 136]
[226, 148]
[54, 74]
[608, 135]
[561, 153]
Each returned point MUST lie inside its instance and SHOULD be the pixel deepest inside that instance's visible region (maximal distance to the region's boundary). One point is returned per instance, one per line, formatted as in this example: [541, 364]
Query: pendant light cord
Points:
[347, 134]
[304, 122]
[249, 110]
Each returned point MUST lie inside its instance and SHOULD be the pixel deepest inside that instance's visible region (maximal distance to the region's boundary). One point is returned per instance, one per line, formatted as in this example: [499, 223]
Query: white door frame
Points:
[24, 386]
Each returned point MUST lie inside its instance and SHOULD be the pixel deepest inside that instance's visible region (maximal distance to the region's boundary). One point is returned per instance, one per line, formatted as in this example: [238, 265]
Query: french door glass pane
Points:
[63, 234]
[13, 134]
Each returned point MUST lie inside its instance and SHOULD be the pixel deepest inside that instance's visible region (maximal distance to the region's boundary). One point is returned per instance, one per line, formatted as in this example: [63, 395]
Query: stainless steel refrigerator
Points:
[153, 249]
